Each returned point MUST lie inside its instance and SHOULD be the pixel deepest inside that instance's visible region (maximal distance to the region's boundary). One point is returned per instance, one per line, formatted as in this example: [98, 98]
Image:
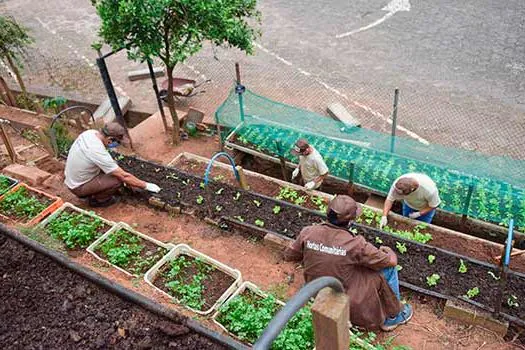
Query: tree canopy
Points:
[174, 30]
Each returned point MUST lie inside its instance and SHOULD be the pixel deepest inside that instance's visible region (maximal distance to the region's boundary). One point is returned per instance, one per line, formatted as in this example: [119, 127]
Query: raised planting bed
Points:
[443, 274]
[26, 205]
[219, 200]
[485, 204]
[249, 310]
[129, 251]
[75, 227]
[6, 183]
[440, 237]
[193, 279]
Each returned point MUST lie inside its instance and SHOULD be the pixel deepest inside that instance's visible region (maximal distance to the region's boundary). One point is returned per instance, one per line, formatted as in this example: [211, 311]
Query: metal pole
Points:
[467, 204]
[239, 90]
[157, 95]
[351, 169]
[394, 120]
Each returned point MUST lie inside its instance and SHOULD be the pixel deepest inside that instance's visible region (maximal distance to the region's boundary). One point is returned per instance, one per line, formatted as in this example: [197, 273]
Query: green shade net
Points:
[497, 184]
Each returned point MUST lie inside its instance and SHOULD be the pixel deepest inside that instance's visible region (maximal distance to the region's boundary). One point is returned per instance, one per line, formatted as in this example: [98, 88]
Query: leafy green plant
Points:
[200, 200]
[186, 287]
[247, 315]
[319, 202]
[218, 208]
[472, 293]
[462, 266]
[276, 210]
[240, 218]
[76, 230]
[377, 240]
[259, 223]
[219, 191]
[237, 196]
[401, 247]
[126, 250]
[300, 200]
[257, 203]
[433, 280]
[5, 184]
[431, 258]
[22, 205]
[218, 178]
[202, 185]
[399, 267]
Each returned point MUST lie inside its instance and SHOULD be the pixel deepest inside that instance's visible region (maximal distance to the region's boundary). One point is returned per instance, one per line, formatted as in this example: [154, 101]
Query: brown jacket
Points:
[327, 250]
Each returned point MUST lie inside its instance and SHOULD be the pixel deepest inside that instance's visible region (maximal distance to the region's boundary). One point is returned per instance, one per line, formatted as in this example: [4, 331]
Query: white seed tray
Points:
[184, 249]
[121, 225]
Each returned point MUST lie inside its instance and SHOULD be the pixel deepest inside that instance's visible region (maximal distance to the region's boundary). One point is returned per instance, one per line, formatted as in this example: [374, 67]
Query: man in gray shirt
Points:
[91, 172]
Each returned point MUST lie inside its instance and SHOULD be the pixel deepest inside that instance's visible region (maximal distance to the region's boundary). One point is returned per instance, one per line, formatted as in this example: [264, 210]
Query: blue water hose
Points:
[508, 248]
[217, 155]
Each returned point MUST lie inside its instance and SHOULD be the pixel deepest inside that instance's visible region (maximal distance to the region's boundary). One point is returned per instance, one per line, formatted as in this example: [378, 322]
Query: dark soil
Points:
[218, 200]
[416, 268]
[141, 263]
[214, 286]
[515, 287]
[45, 306]
[40, 197]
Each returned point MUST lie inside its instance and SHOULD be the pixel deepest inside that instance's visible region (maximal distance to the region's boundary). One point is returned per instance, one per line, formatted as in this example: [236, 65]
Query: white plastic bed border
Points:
[122, 225]
[244, 286]
[184, 249]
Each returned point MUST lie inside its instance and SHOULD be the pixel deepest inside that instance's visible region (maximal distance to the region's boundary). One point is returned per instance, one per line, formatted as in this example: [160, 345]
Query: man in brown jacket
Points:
[367, 273]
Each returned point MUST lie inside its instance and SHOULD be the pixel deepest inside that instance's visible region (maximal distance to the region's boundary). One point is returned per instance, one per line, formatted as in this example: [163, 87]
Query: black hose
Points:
[118, 290]
[280, 320]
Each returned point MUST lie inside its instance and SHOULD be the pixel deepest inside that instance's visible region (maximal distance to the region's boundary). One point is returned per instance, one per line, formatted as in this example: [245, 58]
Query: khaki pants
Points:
[100, 188]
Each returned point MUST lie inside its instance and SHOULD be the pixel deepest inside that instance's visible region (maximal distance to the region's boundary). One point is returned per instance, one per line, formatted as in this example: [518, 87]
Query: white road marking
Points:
[392, 7]
[380, 115]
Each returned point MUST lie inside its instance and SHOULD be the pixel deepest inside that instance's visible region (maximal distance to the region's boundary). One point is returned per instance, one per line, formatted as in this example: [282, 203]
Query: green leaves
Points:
[472, 293]
[431, 258]
[433, 280]
[5, 184]
[175, 30]
[401, 247]
[247, 315]
[276, 210]
[462, 266]
[259, 223]
[75, 230]
[21, 205]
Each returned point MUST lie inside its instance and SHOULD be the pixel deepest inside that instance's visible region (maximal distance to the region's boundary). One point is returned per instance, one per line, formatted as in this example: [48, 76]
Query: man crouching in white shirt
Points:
[90, 171]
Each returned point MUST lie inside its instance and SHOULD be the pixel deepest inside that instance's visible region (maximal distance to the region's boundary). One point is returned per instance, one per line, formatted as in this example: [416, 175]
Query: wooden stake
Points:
[242, 178]
[331, 313]
[44, 140]
[9, 97]
[7, 142]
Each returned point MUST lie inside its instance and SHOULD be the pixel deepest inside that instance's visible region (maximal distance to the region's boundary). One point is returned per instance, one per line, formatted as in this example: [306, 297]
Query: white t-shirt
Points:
[426, 195]
[87, 157]
[312, 166]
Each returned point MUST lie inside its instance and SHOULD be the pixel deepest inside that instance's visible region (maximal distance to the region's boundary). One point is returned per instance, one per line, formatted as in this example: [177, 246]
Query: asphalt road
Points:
[459, 66]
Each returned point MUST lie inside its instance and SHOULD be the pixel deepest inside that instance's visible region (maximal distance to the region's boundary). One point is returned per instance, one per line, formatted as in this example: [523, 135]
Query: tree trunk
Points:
[10, 99]
[171, 106]
[15, 70]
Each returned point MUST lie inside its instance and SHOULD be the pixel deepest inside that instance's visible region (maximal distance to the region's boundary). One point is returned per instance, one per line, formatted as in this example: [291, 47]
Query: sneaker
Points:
[102, 204]
[403, 317]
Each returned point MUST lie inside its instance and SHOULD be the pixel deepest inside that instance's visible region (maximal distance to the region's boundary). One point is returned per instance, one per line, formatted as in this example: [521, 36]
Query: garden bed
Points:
[221, 200]
[249, 310]
[27, 206]
[457, 242]
[128, 250]
[443, 274]
[193, 279]
[75, 227]
[47, 306]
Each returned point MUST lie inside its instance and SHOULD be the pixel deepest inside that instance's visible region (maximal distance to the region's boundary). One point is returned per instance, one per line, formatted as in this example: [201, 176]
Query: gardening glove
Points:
[295, 173]
[152, 187]
[383, 222]
[414, 215]
[310, 185]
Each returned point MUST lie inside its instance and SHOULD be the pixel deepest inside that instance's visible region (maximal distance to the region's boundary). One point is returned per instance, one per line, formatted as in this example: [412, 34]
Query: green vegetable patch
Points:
[193, 282]
[76, 230]
[23, 205]
[247, 315]
[5, 184]
[130, 252]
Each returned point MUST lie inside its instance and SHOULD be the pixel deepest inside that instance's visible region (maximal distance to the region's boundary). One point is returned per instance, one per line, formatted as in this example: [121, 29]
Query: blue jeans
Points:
[425, 218]
[392, 279]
